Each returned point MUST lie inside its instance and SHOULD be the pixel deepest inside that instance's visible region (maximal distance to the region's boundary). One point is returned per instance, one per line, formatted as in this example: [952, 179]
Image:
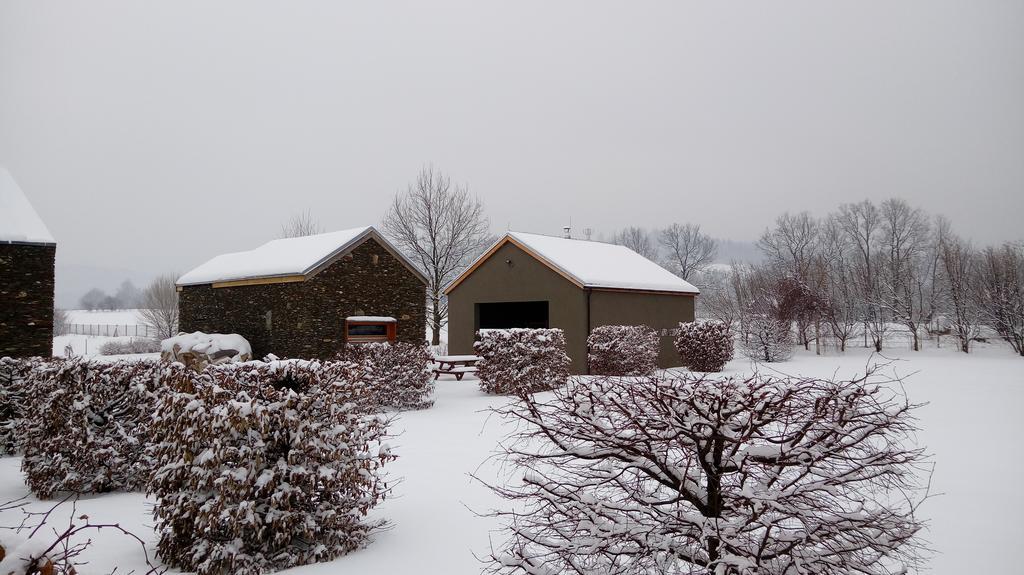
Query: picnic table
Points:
[457, 365]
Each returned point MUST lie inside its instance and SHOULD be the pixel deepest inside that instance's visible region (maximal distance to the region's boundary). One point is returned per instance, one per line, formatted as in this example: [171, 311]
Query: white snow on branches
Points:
[697, 475]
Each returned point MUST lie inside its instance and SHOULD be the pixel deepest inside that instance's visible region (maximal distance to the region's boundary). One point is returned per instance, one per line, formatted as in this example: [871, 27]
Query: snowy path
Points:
[972, 424]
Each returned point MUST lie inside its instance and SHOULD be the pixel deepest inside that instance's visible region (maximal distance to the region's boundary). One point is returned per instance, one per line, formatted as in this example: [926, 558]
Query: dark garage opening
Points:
[504, 315]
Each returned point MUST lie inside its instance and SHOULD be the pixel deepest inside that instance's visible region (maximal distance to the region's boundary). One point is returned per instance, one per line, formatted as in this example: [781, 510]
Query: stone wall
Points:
[307, 319]
[26, 300]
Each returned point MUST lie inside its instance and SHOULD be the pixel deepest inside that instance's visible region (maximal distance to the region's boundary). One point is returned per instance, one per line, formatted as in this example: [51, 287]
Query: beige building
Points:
[531, 280]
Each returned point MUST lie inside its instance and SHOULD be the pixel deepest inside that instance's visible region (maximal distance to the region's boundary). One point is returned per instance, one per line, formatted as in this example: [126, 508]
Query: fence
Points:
[109, 330]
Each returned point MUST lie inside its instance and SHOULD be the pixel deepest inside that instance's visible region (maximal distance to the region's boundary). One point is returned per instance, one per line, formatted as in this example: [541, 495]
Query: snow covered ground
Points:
[972, 426]
[104, 317]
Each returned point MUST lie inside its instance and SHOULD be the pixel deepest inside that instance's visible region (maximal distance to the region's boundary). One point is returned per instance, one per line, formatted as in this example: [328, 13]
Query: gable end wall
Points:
[26, 300]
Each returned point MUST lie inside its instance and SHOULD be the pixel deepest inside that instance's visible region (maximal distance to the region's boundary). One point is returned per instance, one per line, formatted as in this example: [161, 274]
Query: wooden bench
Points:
[457, 365]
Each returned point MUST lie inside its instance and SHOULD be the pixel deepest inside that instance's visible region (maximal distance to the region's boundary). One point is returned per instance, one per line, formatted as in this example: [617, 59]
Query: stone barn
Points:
[306, 297]
[27, 253]
[531, 280]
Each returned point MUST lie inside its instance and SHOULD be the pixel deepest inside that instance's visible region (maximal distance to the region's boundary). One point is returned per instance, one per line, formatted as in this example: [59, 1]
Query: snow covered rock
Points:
[198, 350]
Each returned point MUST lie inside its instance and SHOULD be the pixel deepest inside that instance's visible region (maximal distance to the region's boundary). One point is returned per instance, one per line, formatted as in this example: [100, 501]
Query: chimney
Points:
[567, 232]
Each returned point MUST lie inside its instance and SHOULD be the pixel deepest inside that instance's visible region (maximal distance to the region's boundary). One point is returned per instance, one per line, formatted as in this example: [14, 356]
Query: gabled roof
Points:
[590, 264]
[289, 259]
[19, 222]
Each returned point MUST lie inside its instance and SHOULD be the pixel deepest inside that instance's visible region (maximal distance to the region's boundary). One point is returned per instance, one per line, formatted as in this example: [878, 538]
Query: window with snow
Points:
[362, 329]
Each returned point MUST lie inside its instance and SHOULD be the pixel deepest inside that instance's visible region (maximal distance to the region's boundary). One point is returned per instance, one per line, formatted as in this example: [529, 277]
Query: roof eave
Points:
[27, 243]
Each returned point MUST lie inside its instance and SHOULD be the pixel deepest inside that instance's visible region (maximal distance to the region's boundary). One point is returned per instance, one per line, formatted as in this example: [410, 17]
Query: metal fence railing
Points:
[109, 329]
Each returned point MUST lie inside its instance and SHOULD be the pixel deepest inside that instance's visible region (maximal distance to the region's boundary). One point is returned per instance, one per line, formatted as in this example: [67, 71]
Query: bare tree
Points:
[904, 271]
[862, 224]
[638, 240]
[842, 310]
[792, 248]
[93, 299]
[688, 250]
[691, 474]
[442, 228]
[159, 309]
[1000, 292]
[959, 265]
[301, 224]
[128, 296]
[61, 321]
[792, 244]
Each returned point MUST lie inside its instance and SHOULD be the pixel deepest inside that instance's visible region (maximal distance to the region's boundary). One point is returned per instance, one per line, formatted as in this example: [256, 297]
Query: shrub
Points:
[704, 346]
[252, 476]
[693, 474]
[85, 424]
[13, 373]
[521, 361]
[622, 350]
[767, 339]
[397, 375]
[130, 346]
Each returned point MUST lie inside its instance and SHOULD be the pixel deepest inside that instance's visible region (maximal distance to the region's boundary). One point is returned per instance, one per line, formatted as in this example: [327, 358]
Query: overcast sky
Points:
[152, 137]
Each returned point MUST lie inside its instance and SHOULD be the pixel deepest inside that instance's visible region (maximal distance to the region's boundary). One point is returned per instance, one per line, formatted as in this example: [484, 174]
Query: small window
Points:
[366, 329]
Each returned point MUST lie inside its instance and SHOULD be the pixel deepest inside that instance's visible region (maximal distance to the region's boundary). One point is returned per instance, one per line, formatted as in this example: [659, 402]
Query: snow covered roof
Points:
[286, 258]
[592, 264]
[19, 222]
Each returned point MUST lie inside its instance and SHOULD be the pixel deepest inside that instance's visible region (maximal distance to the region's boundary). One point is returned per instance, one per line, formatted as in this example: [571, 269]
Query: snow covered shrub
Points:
[704, 345]
[253, 477]
[85, 425]
[622, 350]
[13, 373]
[397, 375]
[134, 345]
[767, 339]
[694, 474]
[517, 361]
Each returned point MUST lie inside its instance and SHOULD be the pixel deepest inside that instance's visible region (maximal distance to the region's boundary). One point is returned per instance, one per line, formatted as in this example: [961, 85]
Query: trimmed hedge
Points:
[264, 467]
[704, 346]
[397, 375]
[85, 425]
[622, 350]
[518, 361]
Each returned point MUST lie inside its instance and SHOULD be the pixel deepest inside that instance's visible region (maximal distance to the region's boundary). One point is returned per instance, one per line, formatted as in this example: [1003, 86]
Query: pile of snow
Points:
[200, 349]
[19, 222]
[284, 257]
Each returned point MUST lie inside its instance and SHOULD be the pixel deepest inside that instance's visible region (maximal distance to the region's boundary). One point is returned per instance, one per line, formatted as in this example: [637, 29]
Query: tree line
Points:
[864, 271]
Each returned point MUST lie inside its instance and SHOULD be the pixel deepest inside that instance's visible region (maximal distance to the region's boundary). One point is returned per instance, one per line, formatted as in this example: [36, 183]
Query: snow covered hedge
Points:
[12, 400]
[518, 361]
[397, 375]
[85, 425]
[254, 475]
[622, 350]
[705, 345]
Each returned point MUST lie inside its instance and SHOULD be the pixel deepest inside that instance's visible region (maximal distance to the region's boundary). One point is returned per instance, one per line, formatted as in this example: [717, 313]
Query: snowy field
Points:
[972, 425]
